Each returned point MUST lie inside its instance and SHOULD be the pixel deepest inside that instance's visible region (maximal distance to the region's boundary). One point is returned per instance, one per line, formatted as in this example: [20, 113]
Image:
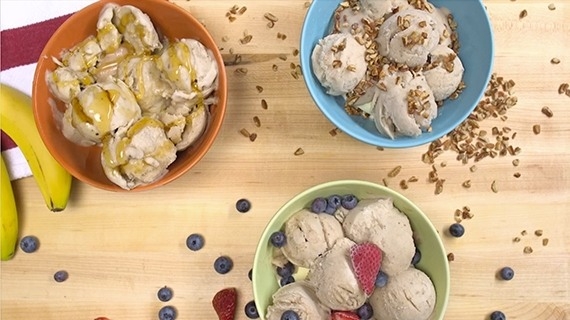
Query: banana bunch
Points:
[17, 121]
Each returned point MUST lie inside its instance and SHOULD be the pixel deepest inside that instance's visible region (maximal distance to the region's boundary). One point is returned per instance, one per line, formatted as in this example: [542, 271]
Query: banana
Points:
[17, 121]
[8, 216]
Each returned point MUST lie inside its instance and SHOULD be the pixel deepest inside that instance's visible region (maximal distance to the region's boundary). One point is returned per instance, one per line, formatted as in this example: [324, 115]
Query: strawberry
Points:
[366, 260]
[224, 303]
[344, 315]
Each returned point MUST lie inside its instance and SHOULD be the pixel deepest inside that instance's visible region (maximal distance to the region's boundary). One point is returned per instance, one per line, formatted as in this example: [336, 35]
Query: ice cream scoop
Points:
[410, 295]
[300, 297]
[83, 56]
[146, 81]
[379, 222]
[185, 128]
[309, 235]
[108, 35]
[404, 103]
[137, 155]
[407, 37]
[444, 73]
[98, 110]
[383, 8]
[137, 29]
[338, 62]
[334, 280]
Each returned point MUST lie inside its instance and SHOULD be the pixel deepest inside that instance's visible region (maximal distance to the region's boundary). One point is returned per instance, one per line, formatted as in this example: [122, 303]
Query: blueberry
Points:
[417, 257]
[290, 315]
[167, 313]
[349, 201]
[334, 201]
[223, 264]
[243, 205]
[251, 310]
[286, 280]
[278, 239]
[498, 315]
[250, 274]
[365, 311]
[381, 279]
[29, 244]
[195, 242]
[507, 273]
[60, 276]
[319, 205]
[330, 209]
[456, 230]
[286, 270]
[164, 294]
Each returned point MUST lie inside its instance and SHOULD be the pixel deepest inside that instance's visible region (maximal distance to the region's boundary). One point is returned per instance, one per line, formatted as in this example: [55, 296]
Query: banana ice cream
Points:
[402, 45]
[444, 73]
[379, 222]
[140, 97]
[99, 110]
[404, 104]
[334, 280]
[138, 155]
[338, 62]
[309, 235]
[410, 295]
[299, 297]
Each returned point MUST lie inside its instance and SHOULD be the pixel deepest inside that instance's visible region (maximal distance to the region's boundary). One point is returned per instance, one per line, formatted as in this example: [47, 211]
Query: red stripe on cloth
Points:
[21, 46]
[6, 142]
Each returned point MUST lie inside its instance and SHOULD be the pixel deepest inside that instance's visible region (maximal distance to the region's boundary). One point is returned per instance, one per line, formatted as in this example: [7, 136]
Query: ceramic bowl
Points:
[84, 163]
[433, 261]
[476, 53]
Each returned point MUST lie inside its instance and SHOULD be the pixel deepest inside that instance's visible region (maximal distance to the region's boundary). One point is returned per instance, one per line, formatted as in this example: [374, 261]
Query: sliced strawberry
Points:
[366, 260]
[344, 315]
[224, 303]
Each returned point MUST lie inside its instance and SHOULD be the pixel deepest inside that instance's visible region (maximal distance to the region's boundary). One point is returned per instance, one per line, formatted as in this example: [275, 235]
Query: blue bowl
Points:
[476, 54]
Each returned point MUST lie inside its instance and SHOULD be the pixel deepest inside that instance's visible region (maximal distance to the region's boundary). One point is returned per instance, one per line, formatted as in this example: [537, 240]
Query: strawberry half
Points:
[224, 303]
[344, 315]
[366, 260]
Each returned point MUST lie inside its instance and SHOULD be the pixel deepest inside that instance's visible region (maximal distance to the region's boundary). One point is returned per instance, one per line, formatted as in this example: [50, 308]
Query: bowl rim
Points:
[264, 237]
[380, 141]
[215, 128]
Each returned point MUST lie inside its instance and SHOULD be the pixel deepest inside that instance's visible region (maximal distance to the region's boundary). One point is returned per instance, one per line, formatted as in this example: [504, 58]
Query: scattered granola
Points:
[259, 89]
[547, 112]
[517, 175]
[450, 257]
[272, 19]
[538, 232]
[244, 132]
[545, 242]
[516, 162]
[466, 184]
[299, 152]
[536, 129]
[333, 132]
[394, 172]
[264, 104]
[275, 67]
[527, 249]
[551, 6]
[234, 11]
[563, 88]
[439, 186]
[256, 121]
[516, 239]
[555, 61]
[241, 71]
[403, 184]
[523, 14]
[494, 186]
[252, 136]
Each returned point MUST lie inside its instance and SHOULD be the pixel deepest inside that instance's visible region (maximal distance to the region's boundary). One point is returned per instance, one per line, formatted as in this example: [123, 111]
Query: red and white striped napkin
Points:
[26, 26]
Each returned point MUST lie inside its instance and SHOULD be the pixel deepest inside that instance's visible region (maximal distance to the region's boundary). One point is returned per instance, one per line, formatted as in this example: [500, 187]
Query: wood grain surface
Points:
[119, 249]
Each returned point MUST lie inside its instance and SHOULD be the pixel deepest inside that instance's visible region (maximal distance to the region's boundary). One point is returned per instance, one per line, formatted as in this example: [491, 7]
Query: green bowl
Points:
[433, 262]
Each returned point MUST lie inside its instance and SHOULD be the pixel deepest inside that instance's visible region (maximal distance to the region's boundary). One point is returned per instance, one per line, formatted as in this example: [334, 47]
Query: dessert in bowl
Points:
[318, 249]
[129, 95]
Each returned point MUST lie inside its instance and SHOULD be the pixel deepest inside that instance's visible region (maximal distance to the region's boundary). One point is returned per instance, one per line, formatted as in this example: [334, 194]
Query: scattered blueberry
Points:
[456, 230]
[507, 273]
[195, 242]
[167, 313]
[349, 201]
[60, 276]
[250, 274]
[164, 294]
[498, 315]
[417, 257]
[29, 244]
[289, 315]
[223, 264]
[381, 279]
[365, 311]
[286, 280]
[278, 239]
[286, 270]
[330, 209]
[319, 205]
[251, 310]
[243, 205]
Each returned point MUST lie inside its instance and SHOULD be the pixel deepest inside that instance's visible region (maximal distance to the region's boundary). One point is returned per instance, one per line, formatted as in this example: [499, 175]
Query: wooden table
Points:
[119, 249]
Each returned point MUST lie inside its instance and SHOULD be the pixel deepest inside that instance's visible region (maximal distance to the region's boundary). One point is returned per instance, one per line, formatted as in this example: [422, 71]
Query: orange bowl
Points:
[84, 163]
